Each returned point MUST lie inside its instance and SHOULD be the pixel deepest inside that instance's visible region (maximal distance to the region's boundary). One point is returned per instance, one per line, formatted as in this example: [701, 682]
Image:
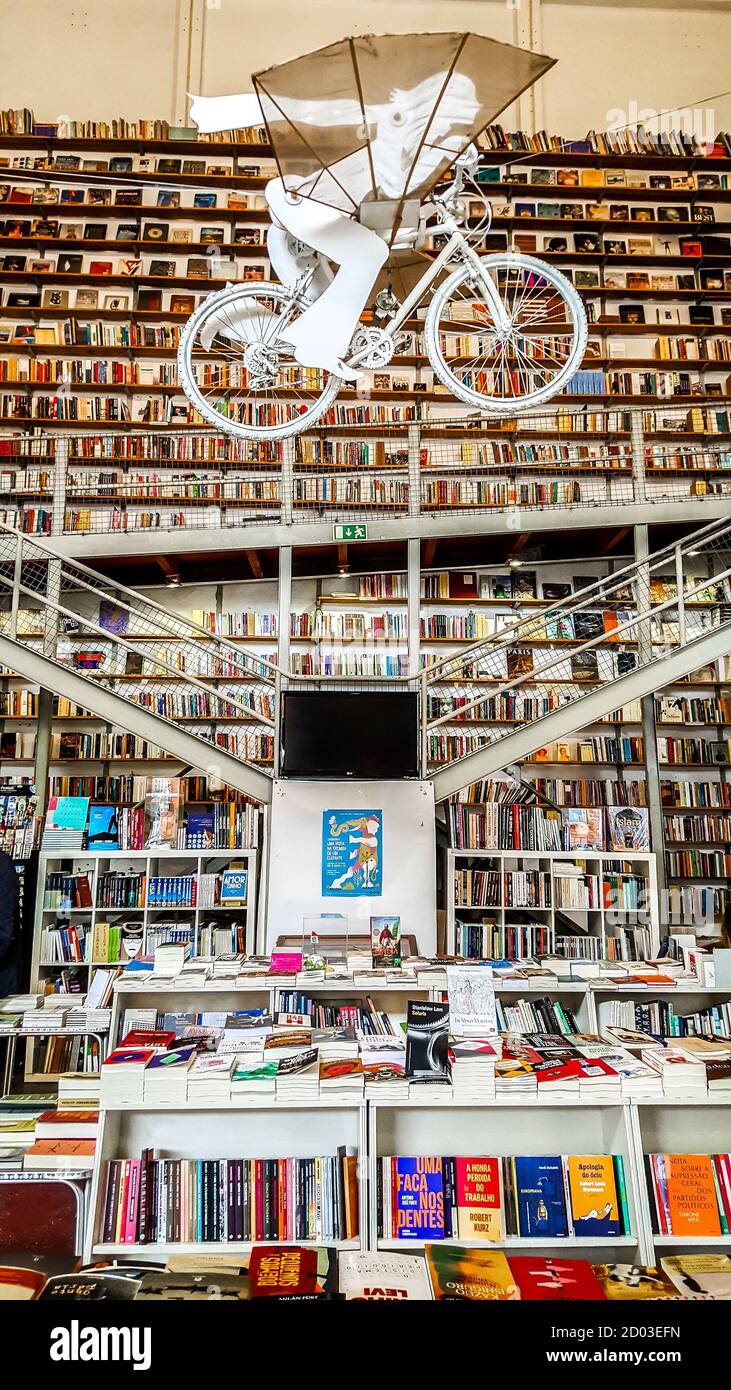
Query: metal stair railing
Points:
[644, 629]
[160, 661]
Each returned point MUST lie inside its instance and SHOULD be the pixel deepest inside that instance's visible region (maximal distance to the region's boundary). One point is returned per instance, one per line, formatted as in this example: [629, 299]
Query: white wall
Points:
[409, 857]
[137, 57]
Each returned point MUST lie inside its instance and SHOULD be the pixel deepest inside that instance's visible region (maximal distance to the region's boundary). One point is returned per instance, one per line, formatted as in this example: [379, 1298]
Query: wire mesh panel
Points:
[529, 667]
[182, 672]
[369, 459]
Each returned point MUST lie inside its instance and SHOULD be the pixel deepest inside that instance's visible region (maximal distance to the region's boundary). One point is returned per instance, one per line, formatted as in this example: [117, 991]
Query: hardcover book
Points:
[458, 1271]
[419, 1198]
[594, 1205]
[539, 1192]
[479, 1211]
[427, 1040]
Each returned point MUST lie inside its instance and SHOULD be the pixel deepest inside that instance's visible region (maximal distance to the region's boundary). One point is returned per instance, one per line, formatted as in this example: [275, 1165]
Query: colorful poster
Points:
[352, 854]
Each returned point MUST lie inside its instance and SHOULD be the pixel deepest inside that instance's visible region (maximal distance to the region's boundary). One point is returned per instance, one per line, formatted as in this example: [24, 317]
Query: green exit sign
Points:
[350, 531]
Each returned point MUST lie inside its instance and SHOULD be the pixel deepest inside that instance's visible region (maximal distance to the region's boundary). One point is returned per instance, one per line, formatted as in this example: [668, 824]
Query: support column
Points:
[287, 482]
[637, 442]
[59, 485]
[413, 591]
[284, 599]
[414, 470]
[649, 729]
[45, 697]
[43, 749]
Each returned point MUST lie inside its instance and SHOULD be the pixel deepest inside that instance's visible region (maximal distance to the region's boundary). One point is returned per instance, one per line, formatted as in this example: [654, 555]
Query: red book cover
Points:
[147, 1037]
[555, 1280]
[290, 1269]
[259, 1196]
[478, 1199]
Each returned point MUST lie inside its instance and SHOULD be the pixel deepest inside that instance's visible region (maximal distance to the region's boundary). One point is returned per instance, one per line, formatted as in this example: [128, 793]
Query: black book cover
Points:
[651, 1194]
[588, 624]
[427, 1037]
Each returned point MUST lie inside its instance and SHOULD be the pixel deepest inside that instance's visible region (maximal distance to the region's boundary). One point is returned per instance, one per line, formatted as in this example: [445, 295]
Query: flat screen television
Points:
[369, 734]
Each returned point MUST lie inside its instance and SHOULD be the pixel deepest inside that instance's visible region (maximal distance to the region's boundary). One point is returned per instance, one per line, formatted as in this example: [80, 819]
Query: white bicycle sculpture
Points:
[504, 332]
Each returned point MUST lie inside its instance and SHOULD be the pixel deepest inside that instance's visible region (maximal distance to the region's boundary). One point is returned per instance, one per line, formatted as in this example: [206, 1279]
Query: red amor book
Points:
[555, 1280]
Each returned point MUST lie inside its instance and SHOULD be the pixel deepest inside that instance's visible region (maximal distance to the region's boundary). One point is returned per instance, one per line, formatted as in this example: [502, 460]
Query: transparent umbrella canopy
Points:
[380, 119]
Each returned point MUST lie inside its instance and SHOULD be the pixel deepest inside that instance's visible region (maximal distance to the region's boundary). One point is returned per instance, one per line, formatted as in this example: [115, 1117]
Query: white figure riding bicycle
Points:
[504, 332]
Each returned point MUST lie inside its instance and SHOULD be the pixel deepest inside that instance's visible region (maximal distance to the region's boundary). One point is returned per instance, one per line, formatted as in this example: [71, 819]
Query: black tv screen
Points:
[350, 734]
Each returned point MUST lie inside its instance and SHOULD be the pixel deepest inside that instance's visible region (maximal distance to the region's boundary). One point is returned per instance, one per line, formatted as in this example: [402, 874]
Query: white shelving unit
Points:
[266, 1126]
[162, 863]
[274, 1130]
[593, 922]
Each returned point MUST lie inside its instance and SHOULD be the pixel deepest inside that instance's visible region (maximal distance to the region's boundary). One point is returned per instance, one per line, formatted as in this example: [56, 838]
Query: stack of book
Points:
[123, 1076]
[165, 1078]
[298, 1076]
[342, 1080]
[44, 1020]
[64, 1140]
[253, 1080]
[77, 1090]
[209, 1079]
[682, 1078]
[473, 1068]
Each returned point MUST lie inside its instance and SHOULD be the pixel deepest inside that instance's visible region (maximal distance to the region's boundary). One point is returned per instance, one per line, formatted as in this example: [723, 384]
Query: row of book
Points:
[504, 941]
[690, 1194]
[167, 1200]
[446, 1271]
[482, 1198]
[528, 828]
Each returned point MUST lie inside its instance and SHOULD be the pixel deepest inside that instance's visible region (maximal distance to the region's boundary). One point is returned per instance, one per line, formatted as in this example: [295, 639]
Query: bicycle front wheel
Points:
[238, 372]
[504, 368]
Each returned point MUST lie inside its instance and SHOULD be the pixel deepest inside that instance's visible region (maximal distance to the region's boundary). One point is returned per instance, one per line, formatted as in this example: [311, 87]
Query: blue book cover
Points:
[539, 1192]
[419, 1198]
[199, 830]
[103, 830]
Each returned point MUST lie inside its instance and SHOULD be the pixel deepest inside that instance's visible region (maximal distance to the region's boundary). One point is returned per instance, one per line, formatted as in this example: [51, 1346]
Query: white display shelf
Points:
[262, 1103]
[588, 922]
[518, 1243]
[698, 1241]
[210, 1247]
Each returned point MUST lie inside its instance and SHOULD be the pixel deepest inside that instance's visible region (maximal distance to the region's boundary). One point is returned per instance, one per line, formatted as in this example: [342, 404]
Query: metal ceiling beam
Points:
[588, 709]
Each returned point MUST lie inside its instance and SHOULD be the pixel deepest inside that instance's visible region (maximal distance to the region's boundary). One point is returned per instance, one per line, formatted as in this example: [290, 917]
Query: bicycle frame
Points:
[457, 243]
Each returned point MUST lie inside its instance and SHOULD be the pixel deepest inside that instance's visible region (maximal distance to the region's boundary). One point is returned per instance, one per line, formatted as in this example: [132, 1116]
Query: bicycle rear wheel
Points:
[504, 369]
[237, 372]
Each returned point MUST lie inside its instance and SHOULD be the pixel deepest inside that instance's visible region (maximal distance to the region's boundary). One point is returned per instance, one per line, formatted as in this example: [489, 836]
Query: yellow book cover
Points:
[700, 1276]
[456, 1272]
[594, 1205]
[634, 1283]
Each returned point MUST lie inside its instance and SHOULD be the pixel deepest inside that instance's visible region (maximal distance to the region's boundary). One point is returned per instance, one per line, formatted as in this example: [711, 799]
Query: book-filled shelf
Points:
[89, 336]
[388, 1064]
[586, 792]
[607, 1084]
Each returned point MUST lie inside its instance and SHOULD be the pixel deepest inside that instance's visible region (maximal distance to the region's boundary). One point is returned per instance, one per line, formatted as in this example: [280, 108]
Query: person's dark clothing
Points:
[9, 921]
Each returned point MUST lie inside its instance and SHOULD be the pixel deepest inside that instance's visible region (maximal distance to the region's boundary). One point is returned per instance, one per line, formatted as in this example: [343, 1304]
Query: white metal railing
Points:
[152, 657]
[564, 459]
[656, 606]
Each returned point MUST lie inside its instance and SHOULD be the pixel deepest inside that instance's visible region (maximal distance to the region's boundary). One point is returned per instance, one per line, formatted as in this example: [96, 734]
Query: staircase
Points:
[188, 693]
[659, 620]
